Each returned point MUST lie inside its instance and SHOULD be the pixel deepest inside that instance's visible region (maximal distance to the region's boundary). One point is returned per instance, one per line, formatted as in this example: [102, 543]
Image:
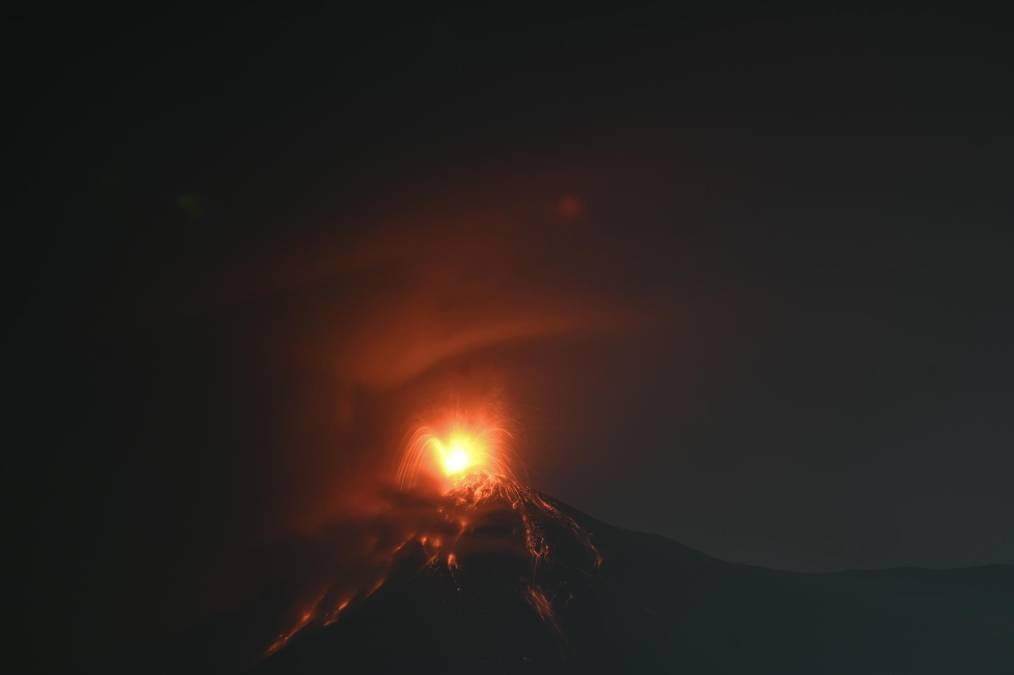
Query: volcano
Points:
[530, 585]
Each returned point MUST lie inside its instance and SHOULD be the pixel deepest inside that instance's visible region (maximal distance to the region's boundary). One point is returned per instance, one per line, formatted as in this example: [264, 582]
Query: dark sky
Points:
[742, 279]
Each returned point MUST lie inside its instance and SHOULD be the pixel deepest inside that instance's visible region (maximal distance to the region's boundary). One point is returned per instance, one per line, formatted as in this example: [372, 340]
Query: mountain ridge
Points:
[656, 605]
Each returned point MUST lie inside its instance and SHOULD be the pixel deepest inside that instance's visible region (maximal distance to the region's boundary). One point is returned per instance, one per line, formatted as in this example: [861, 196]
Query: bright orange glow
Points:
[304, 620]
[540, 603]
[336, 612]
[468, 458]
[458, 447]
[460, 453]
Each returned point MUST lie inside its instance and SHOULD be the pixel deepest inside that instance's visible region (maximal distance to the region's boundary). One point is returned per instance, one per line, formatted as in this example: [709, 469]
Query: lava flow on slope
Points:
[485, 543]
[487, 575]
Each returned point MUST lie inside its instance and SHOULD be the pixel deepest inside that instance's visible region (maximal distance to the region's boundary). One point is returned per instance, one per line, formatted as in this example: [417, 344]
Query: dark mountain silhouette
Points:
[649, 605]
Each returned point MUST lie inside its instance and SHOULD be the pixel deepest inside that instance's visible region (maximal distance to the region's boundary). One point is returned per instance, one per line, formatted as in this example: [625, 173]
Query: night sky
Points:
[741, 279]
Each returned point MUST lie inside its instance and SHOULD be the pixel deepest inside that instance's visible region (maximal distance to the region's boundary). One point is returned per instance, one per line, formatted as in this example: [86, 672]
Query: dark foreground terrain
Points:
[655, 606]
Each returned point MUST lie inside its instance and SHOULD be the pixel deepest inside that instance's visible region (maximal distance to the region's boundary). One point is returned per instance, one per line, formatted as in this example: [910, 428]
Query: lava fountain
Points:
[463, 465]
[461, 446]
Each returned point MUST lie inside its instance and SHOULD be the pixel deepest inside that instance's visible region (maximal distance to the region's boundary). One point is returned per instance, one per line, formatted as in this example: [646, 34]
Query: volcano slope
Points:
[599, 599]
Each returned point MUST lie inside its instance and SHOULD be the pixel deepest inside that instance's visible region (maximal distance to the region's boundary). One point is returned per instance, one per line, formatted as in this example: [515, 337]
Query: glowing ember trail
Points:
[540, 603]
[467, 462]
[304, 620]
[461, 447]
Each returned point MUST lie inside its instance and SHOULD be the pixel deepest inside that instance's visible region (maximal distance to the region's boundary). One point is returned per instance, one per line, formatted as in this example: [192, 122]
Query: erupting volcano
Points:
[472, 462]
[478, 509]
[487, 574]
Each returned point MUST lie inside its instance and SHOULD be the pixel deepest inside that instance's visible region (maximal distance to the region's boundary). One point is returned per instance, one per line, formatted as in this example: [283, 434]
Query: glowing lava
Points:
[458, 447]
[461, 454]
[466, 463]
[469, 458]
